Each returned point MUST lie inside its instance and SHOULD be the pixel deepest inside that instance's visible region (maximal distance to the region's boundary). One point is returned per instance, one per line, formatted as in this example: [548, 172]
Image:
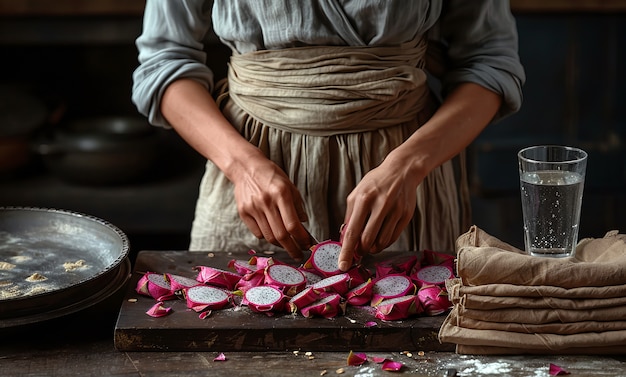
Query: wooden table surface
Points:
[82, 344]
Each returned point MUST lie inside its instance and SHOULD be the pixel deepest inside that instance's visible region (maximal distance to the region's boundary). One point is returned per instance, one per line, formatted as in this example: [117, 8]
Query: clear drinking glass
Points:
[552, 178]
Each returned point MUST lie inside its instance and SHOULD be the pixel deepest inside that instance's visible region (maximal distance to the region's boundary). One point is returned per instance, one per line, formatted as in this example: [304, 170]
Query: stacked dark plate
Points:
[56, 262]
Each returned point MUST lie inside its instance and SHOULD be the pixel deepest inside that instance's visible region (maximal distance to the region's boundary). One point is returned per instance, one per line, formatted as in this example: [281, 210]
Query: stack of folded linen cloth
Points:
[508, 302]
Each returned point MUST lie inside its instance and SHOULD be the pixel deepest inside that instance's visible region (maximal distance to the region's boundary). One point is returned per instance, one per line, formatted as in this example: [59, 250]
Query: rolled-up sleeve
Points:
[482, 41]
[170, 47]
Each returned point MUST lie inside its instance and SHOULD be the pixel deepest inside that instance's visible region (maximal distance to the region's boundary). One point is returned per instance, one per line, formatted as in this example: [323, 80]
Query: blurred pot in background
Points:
[21, 115]
[101, 150]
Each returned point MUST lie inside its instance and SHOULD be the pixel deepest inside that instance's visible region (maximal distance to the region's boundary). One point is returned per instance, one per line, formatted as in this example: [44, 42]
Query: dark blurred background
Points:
[71, 61]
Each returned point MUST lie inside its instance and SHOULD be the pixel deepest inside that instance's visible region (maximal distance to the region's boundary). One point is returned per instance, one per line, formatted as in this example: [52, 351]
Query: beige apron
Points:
[327, 116]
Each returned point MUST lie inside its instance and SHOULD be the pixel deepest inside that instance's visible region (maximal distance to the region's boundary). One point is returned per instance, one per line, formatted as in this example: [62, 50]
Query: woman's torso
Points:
[250, 25]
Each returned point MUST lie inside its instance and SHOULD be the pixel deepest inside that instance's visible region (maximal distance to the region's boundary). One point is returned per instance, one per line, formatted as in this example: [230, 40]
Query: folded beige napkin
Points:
[527, 343]
[508, 302]
[544, 328]
[539, 291]
[482, 259]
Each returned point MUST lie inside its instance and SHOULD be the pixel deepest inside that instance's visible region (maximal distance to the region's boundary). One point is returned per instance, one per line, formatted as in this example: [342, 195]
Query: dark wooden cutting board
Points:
[239, 329]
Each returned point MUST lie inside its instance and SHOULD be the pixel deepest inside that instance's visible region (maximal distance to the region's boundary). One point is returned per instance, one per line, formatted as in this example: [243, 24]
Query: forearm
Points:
[192, 112]
[458, 121]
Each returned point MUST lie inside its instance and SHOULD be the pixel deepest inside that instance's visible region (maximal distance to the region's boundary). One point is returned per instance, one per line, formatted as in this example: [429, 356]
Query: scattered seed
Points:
[269, 252]
[311, 357]
[308, 353]
[339, 371]
[132, 300]
[409, 354]
[420, 353]
[210, 255]
[296, 352]
[323, 372]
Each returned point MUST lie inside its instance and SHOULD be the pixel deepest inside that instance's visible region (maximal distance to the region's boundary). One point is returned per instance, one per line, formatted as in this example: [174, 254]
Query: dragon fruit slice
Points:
[402, 264]
[311, 277]
[241, 266]
[264, 299]
[250, 280]
[205, 297]
[432, 275]
[434, 299]
[325, 258]
[334, 284]
[217, 277]
[286, 278]
[391, 286]
[398, 308]
[156, 286]
[305, 297]
[358, 274]
[328, 307]
[361, 294]
[178, 283]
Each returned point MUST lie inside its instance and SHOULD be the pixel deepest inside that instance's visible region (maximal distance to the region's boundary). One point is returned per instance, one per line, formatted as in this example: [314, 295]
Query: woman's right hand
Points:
[271, 206]
[267, 201]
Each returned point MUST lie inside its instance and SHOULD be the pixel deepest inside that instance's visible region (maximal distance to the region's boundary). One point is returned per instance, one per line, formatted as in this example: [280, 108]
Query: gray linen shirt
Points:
[479, 36]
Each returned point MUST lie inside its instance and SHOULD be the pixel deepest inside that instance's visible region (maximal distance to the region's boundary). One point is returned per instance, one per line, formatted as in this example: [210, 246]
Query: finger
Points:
[283, 237]
[252, 226]
[292, 212]
[386, 234]
[350, 244]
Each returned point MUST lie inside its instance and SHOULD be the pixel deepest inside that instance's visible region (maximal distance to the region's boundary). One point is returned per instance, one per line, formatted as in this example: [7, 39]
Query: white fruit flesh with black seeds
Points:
[395, 300]
[159, 280]
[326, 257]
[391, 286]
[311, 278]
[329, 281]
[434, 274]
[263, 295]
[285, 274]
[203, 294]
[184, 281]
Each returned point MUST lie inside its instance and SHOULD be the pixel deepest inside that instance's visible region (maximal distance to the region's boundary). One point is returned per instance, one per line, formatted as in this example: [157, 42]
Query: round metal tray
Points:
[52, 260]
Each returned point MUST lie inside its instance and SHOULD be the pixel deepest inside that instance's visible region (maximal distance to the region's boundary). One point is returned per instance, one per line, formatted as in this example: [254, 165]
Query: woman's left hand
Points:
[378, 210]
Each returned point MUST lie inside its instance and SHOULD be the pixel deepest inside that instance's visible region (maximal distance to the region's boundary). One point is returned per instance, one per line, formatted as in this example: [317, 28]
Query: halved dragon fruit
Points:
[155, 285]
[398, 308]
[286, 278]
[264, 299]
[325, 258]
[242, 266]
[311, 277]
[434, 299]
[334, 284]
[402, 264]
[361, 294]
[204, 297]
[391, 286]
[433, 275]
[305, 297]
[178, 283]
[217, 277]
[328, 307]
